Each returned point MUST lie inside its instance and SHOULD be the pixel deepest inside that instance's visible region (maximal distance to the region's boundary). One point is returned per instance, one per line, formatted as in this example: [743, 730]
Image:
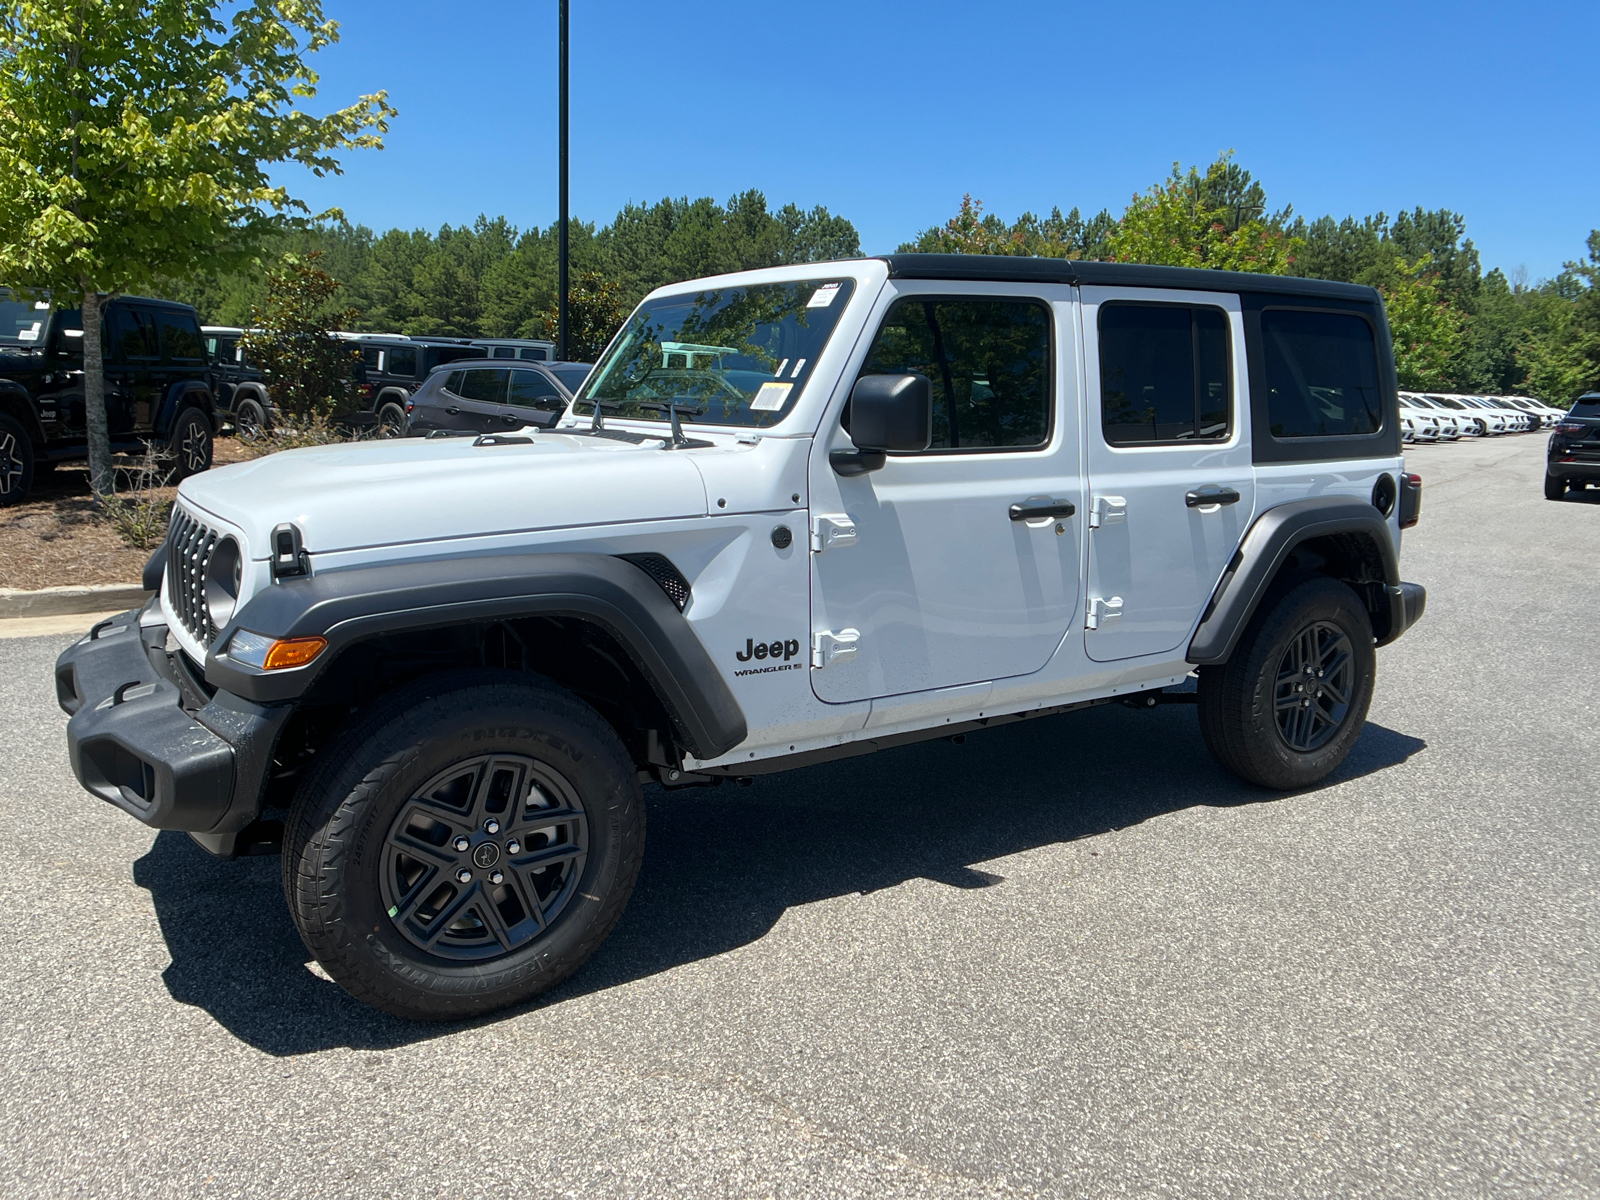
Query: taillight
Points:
[1410, 500]
[1570, 428]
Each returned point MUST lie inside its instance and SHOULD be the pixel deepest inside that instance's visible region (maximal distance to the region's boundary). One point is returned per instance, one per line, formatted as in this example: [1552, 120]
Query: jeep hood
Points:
[409, 490]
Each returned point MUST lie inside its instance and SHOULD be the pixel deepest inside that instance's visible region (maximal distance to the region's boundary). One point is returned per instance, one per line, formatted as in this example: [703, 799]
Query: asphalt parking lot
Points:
[1068, 958]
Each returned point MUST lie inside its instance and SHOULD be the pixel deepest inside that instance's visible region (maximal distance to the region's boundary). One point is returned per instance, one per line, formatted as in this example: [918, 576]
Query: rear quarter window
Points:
[1321, 374]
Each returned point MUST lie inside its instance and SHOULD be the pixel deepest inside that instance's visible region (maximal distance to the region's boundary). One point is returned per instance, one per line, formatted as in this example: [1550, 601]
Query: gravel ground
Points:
[1069, 958]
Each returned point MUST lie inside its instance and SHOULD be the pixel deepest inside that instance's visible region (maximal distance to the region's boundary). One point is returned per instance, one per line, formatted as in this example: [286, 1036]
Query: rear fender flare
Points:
[350, 606]
[1267, 545]
[190, 393]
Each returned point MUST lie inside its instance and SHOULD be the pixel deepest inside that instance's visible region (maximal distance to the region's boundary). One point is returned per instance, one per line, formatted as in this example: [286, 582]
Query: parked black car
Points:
[393, 367]
[489, 395]
[238, 383]
[157, 381]
[1573, 457]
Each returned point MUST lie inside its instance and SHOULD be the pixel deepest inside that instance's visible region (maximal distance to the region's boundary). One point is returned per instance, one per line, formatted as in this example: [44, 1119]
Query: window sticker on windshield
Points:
[769, 397]
[40, 305]
[798, 367]
[29, 335]
[823, 296]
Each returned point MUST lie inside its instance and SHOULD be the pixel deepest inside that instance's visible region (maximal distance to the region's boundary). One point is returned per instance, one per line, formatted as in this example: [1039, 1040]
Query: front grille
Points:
[189, 547]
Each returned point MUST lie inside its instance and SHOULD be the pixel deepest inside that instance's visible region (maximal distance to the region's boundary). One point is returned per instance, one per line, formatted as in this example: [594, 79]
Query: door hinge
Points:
[834, 530]
[1107, 510]
[1102, 610]
[828, 647]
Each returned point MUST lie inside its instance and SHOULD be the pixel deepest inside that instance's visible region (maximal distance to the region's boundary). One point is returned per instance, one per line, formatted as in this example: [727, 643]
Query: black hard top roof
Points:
[1002, 268]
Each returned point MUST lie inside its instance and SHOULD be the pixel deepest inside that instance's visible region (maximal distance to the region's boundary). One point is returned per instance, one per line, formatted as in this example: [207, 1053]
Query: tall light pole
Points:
[561, 237]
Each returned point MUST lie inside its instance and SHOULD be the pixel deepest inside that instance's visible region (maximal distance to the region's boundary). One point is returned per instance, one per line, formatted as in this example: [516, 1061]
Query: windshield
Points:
[22, 321]
[724, 356]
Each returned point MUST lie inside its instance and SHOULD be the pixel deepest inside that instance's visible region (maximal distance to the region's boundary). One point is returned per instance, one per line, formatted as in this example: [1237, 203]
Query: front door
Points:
[1171, 485]
[938, 569]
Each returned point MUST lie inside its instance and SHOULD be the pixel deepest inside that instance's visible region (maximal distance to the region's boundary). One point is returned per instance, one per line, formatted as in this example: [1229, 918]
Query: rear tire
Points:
[17, 463]
[391, 420]
[1555, 487]
[397, 836]
[249, 419]
[1288, 705]
[190, 447]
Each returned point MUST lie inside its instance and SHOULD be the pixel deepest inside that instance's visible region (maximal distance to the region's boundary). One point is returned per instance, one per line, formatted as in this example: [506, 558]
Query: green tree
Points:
[135, 137]
[1216, 220]
[595, 311]
[311, 374]
[971, 231]
[1425, 327]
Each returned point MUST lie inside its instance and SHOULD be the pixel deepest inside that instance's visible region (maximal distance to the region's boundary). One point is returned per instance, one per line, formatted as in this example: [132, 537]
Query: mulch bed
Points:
[55, 538]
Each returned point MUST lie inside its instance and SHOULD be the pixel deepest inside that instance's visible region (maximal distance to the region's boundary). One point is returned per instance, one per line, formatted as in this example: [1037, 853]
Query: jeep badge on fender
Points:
[489, 646]
[754, 649]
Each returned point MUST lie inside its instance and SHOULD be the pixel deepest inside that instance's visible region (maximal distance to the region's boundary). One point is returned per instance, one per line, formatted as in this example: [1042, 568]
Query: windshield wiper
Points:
[672, 407]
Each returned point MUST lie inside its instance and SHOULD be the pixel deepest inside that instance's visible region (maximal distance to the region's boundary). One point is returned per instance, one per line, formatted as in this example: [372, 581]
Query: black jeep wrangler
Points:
[239, 384]
[393, 367]
[157, 385]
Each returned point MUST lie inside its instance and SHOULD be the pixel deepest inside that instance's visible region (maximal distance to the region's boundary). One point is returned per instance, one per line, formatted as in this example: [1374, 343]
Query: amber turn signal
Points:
[294, 652]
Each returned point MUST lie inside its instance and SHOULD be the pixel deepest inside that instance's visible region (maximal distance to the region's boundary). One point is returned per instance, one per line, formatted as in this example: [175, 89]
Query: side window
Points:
[487, 386]
[1164, 373]
[180, 338]
[371, 356]
[401, 360]
[988, 361]
[453, 383]
[505, 352]
[133, 335]
[1322, 374]
[535, 354]
[529, 389]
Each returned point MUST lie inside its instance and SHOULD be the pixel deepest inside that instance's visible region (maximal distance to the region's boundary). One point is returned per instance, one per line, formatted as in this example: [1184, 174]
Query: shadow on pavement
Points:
[724, 864]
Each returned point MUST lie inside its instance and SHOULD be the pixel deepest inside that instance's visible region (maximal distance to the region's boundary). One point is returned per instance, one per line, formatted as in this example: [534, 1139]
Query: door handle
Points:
[510, 420]
[1030, 510]
[454, 412]
[1210, 494]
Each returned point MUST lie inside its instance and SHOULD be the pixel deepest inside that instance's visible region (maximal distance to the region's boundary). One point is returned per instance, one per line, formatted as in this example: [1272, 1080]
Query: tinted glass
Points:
[1322, 374]
[571, 375]
[402, 360]
[487, 386]
[21, 321]
[369, 357]
[433, 356]
[180, 338]
[453, 383]
[1163, 373]
[725, 356]
[536, 354]
[1586, 406]
[504, 352]
[132, 334]
[988, 361]
[529, 389]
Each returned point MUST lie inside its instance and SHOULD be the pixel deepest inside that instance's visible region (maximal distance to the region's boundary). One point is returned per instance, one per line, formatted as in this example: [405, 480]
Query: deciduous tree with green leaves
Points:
[135, 142]
[312, 374]
[1216, 220]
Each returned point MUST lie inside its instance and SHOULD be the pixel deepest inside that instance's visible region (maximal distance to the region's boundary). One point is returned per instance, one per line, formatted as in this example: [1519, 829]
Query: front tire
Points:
[1286, 708]
[17, 463]
[464, 846]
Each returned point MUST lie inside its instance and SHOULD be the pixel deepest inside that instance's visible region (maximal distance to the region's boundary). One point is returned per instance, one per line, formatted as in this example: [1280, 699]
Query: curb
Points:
[56, 601]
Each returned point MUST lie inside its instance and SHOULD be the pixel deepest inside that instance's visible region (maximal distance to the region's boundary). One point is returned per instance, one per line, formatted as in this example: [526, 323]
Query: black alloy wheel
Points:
[1315, 679]
[484, 857]
[191, 443]
[391, 420]
[16, 462]
[1291, 700]
[463, 844]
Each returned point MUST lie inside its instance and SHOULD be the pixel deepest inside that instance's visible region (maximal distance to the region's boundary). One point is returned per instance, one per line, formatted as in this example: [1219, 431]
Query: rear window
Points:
[401, 360]
[1322, 374]
[1586, 406]
[485, 386]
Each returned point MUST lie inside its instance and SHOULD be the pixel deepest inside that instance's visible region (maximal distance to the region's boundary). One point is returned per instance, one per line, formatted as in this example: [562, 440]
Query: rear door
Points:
[183, 354]
[481, 403]
[1171, 484]
[132, 367]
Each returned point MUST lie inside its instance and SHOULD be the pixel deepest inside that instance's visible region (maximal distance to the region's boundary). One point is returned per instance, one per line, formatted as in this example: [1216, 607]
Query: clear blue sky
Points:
[886, 111]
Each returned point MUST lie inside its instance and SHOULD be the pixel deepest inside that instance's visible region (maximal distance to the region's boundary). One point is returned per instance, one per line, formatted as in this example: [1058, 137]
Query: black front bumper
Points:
[149, 739]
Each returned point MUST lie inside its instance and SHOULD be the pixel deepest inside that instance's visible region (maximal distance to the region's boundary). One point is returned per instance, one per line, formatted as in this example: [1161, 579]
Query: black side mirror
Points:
[887, 412]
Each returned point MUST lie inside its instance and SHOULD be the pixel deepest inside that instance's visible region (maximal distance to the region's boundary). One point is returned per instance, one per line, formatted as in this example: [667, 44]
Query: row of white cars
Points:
[1447, 417]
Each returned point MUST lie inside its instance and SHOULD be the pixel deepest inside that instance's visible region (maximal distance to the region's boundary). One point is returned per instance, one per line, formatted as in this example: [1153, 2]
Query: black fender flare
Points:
[350, 606]
[1263, 551]
[188, 393]
[18, 405]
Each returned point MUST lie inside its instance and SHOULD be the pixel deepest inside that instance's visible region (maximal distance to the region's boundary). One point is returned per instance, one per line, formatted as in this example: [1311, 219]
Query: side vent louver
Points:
[668, 578]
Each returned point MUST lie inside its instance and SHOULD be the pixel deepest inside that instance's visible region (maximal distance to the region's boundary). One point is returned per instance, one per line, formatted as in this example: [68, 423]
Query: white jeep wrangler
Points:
[795, 514]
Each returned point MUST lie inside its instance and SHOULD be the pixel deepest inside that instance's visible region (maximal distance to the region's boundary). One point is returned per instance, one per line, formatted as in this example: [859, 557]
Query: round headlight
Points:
[223, 575]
